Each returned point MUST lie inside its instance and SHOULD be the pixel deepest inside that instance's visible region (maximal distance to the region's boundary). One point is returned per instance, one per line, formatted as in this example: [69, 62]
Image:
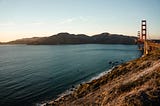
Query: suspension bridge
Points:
[144, 44]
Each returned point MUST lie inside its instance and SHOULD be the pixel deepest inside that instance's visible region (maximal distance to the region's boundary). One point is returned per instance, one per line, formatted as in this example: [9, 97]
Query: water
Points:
[30, 74]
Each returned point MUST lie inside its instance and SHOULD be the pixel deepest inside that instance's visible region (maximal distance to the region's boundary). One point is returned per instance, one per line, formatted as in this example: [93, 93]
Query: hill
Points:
[135, 83]
[156, 41]
[66, 38]
[24, 40]
[106, 38]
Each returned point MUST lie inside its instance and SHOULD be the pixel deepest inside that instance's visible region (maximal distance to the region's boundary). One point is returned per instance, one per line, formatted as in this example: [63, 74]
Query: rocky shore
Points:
[135, 83]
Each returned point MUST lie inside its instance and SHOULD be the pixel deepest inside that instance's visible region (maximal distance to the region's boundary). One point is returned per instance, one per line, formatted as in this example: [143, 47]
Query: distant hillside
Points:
[63, 38]
[106, 38]
[24, 40]
[157, 41]
[66, 38]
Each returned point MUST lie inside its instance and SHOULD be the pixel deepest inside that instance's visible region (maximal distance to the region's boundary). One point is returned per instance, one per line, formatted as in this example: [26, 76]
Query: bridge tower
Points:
[143, 36]
[138, 35]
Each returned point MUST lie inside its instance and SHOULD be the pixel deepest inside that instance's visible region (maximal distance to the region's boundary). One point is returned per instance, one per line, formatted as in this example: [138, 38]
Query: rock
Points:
[110, 62]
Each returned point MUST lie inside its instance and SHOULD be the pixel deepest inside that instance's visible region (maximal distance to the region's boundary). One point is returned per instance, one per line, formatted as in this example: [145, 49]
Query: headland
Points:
[135, 83]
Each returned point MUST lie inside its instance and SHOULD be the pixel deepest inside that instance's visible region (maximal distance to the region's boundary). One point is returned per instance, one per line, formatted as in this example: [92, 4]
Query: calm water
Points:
[30, 74]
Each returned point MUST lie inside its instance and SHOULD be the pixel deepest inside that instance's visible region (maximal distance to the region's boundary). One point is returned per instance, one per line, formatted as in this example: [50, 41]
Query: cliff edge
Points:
[135, 83]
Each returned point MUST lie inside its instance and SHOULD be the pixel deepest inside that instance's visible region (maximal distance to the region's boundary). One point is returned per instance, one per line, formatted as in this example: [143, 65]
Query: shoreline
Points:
[122, 80]
[71, 90]
[75, 87]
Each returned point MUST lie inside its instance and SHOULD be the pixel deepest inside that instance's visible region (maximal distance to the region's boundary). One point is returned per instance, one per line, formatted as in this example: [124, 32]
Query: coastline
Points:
[125, 80]
[71, 90]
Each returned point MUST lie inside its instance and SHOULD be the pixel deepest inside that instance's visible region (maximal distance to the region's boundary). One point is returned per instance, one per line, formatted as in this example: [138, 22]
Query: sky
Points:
[31, 18]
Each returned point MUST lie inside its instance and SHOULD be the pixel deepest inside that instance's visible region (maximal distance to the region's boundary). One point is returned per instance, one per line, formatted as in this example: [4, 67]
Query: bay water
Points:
[30, 74]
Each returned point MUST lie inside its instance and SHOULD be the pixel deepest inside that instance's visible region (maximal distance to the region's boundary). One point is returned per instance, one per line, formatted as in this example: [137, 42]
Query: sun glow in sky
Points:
[30, 18]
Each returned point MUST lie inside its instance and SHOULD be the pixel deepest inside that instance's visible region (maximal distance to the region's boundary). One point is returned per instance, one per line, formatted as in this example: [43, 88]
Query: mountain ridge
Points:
[67, 38]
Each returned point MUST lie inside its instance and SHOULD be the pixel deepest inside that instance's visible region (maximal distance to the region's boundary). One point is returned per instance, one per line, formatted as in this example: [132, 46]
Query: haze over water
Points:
[31, 74]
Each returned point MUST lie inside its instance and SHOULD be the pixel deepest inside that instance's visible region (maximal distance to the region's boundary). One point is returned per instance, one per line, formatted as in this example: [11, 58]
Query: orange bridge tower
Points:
[143, 36]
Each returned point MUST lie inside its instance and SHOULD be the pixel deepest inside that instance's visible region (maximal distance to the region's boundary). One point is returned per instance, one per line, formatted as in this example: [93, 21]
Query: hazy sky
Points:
[28, 18]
